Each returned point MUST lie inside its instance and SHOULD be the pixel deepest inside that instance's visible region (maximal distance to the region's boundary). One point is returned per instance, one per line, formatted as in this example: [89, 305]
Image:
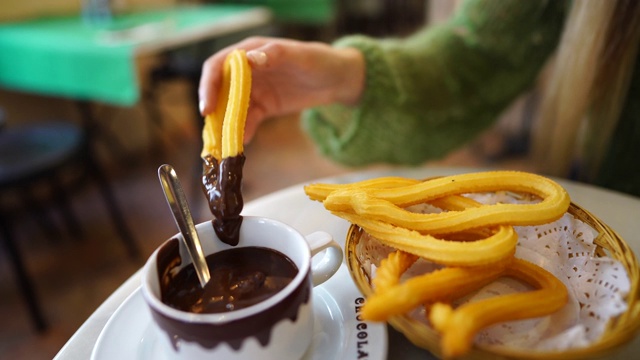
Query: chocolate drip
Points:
[222, 183]
[234, 333]
[258, 326]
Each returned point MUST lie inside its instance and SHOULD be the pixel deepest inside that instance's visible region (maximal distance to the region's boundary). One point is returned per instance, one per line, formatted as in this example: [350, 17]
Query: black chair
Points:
[40, 165]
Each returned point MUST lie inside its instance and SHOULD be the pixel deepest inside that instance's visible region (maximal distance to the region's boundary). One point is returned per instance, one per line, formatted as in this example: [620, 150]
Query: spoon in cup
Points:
[177, 201]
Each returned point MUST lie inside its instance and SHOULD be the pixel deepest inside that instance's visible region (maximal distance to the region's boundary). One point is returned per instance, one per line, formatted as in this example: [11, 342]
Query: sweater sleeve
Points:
[436, 90]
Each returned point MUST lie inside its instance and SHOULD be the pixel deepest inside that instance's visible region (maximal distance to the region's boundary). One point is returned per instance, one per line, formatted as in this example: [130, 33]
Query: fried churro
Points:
[223, 151]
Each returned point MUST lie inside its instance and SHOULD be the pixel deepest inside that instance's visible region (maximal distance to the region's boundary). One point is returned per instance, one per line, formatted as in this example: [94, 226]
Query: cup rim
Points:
[156, 303]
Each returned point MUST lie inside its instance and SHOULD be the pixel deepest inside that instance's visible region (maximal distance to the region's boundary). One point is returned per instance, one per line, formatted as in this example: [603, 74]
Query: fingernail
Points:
[201, 105]
[257, 57]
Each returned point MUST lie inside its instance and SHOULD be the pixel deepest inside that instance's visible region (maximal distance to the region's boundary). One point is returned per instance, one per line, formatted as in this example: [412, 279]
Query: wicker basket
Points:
[619, 330]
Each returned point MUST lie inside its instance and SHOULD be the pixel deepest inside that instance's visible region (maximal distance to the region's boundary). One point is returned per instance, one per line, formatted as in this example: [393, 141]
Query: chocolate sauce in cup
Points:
[257, 322]
[240, 277]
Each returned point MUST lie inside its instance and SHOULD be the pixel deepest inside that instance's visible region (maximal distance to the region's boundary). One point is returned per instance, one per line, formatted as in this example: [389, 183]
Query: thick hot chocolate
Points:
[240, 277]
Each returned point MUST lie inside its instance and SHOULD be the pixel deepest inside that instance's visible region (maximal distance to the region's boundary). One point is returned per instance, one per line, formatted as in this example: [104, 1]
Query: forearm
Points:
[434, 91]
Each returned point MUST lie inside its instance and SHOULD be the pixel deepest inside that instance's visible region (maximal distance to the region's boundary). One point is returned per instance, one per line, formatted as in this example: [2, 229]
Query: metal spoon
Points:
[182, 215]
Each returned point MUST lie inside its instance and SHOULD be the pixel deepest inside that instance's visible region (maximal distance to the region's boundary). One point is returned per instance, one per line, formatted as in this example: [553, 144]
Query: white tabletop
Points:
[621, 212]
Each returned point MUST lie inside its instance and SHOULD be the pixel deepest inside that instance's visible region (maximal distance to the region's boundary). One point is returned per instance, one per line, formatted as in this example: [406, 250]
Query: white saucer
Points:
[337, 332]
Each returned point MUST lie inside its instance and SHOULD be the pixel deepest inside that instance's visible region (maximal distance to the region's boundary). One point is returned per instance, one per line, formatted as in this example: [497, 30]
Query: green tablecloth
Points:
[68, 58]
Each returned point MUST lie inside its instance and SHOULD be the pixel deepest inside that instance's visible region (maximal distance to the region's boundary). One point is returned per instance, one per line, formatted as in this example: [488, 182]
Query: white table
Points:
[621, 212]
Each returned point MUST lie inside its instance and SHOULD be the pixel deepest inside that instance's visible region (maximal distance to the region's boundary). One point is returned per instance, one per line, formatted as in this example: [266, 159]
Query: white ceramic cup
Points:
[280, 327]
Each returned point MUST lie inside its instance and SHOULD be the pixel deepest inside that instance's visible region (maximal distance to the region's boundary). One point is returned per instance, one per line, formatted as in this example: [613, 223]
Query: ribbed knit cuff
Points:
[338, 129]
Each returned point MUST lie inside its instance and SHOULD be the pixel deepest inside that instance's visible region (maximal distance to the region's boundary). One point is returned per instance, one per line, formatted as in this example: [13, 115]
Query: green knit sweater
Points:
[431, 93]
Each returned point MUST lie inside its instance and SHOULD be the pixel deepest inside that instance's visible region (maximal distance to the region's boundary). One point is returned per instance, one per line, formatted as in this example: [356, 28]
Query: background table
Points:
[292, 206]
[108, 64]
[66, 57]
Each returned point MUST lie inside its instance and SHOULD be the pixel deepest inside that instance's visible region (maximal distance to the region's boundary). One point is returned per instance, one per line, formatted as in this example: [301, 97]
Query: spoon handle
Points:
[182, 215]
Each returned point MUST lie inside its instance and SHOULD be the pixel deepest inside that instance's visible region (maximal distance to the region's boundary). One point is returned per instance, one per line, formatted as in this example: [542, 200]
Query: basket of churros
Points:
[497, 264]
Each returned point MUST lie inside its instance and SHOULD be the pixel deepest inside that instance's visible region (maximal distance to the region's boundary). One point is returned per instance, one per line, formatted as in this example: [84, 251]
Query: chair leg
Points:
[99, 132]
[43, 218]
[92, 129]
[112, 206]
[155, 121]
[61, 198]
[21, 274]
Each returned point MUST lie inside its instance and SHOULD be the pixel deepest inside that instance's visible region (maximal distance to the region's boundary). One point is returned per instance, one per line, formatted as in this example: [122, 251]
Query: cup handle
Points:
[323, 268]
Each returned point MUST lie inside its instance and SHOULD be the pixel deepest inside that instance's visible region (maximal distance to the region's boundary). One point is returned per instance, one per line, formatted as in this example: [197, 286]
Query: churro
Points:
[387, 204]
[223, 151]
[391, 269]
[499, 245]
[459, 326]
[320, 191]
[446, 284]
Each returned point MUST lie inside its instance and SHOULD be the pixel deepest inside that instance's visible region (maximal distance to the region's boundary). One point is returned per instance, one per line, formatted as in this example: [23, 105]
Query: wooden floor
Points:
[73, 278]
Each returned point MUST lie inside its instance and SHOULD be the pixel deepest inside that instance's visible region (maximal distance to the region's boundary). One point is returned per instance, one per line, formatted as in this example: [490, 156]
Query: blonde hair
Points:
[586, 87]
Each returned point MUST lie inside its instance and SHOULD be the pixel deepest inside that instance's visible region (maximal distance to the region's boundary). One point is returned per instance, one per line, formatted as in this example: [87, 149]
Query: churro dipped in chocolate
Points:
[223, 152]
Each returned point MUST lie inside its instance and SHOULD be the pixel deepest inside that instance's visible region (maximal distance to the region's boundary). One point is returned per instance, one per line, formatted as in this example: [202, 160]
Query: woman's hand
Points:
[288, 76]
